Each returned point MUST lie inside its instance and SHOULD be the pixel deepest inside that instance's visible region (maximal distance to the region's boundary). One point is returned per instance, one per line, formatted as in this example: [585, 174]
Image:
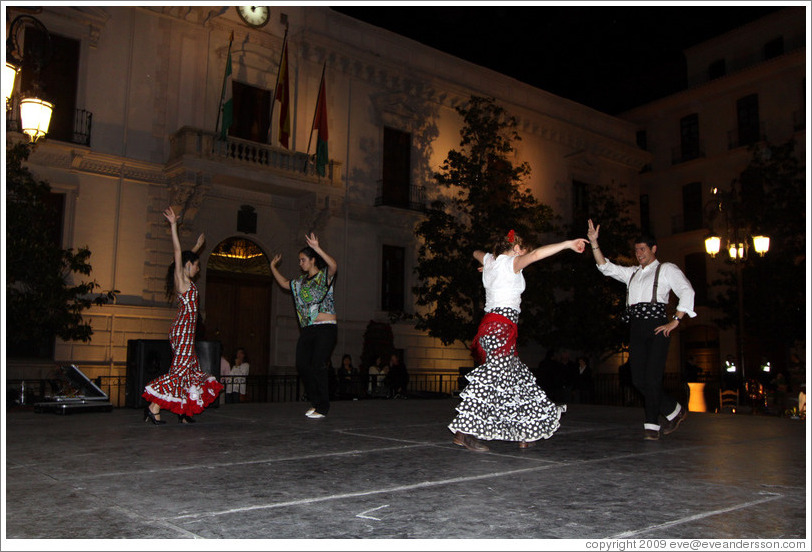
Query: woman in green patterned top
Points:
[315, 309]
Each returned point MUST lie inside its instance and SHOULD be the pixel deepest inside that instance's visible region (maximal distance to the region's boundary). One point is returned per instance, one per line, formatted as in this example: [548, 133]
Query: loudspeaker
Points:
[149, 358]
[146, 360]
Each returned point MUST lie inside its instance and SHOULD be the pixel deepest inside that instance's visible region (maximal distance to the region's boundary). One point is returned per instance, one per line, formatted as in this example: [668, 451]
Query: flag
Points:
[226, 101]
[320, 124]
[283, 96]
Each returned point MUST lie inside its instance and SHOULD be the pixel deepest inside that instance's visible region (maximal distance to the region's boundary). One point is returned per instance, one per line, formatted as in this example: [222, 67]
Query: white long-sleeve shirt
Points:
[503, 287]
[642, 285]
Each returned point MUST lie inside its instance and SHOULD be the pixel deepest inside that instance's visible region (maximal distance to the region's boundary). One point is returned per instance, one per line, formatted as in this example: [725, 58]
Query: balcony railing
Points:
[688, 152]
[416, 200]
[745, 136]
[202, 144]
[79, 134]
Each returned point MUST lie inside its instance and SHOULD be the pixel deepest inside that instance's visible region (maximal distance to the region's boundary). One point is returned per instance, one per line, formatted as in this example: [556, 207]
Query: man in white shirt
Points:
[648, 287]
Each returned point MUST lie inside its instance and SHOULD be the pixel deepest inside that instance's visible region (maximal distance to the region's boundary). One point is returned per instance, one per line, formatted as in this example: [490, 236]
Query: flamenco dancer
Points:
[316, 310]
[502, 400]
[185, 389]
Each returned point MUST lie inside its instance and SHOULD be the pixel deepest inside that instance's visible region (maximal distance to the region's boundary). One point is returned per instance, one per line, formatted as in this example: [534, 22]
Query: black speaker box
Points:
[149, 358]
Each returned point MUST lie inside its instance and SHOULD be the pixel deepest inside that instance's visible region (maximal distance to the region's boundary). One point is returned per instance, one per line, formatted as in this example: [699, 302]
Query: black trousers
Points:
[313, 350]
[647, 355]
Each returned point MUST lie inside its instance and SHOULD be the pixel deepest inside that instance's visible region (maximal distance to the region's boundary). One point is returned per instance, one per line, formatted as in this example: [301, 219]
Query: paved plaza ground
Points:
[387, 469]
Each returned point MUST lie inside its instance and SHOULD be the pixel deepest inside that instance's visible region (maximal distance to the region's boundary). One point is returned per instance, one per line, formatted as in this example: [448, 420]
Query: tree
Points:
[480, 197]
[586, 315]
[44, 298]
[770, 199]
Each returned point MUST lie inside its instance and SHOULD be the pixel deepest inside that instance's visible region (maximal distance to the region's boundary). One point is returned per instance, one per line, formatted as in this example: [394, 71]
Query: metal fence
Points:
[606, 389]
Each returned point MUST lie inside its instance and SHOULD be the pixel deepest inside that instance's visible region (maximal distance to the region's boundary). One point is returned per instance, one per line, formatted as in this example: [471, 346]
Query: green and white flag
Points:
[226, 101]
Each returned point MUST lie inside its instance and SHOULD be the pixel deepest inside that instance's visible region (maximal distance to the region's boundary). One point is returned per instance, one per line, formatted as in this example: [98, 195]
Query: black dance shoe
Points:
[150, 417]
[184, 419]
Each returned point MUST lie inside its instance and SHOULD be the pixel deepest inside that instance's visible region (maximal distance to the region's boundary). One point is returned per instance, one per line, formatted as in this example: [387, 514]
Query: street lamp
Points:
[35, 112]
[737, 241]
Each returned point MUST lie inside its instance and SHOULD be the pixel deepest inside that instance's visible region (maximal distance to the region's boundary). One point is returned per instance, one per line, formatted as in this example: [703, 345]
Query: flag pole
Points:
[276, 86]
[315, 114]
[223, 92]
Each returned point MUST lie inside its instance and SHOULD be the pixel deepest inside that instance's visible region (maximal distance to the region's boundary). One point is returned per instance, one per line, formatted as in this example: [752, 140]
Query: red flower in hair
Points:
[511, 236]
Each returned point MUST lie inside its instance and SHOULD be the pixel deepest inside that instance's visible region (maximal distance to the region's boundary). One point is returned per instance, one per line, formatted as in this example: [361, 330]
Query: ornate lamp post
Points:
[35, 112]
[737, 244]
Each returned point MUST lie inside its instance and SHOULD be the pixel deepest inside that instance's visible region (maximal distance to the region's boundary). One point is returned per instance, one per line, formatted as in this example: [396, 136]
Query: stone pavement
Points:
[387, 469]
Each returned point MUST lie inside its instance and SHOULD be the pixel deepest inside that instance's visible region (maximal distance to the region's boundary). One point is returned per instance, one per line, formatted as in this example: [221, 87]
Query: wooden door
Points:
[238, 314]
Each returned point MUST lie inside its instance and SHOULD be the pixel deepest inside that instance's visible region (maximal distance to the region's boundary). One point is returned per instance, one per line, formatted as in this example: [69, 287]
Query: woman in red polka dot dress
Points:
[185, 390]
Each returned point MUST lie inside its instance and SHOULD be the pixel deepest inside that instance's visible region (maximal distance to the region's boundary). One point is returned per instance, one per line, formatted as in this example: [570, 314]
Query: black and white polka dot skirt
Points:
[502, 400]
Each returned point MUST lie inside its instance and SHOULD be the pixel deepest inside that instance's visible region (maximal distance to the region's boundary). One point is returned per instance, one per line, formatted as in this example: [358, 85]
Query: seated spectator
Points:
[398, 377]
[347, 375]
[378, 387]
[236, 388]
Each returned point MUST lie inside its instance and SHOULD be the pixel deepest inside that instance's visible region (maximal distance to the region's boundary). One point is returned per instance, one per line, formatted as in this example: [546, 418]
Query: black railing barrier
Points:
[606, 389]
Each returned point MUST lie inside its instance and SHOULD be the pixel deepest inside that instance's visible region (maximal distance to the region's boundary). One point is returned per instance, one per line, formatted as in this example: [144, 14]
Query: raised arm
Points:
[170, 215]
[313, 242]
[479, 256]
[592, 234]
[578, 245]
[283, 282]
[201, 239]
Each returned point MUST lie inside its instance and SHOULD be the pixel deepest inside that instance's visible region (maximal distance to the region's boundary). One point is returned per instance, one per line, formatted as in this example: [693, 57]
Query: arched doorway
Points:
[238, 301]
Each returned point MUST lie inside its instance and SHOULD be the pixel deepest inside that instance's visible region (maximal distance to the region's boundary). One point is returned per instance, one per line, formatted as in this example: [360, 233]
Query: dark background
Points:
[610, 58]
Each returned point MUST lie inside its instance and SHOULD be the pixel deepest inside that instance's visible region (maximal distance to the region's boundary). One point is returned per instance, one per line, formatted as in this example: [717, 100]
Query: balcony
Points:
[687, 152]
[78, 133]
[201, 144]
[745, 136]
[413, 199]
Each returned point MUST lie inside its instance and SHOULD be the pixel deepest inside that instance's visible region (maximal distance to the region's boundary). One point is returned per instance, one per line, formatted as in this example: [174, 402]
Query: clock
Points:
[254, 16]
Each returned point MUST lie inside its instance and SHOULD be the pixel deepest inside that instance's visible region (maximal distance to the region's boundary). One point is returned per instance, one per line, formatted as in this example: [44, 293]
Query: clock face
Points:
[255, 16]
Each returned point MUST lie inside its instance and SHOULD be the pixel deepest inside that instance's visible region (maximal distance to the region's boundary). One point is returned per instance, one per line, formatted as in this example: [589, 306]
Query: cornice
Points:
[83, 161]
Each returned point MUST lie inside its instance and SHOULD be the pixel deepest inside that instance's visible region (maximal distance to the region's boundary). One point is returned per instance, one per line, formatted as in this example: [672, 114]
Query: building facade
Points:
[746, 87]
[137, 128]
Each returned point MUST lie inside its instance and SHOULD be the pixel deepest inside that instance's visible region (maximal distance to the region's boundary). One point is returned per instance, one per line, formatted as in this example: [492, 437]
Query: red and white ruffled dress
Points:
[185, 389]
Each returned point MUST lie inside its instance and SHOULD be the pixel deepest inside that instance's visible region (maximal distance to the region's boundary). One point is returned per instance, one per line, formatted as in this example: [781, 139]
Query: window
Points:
[774, 48]
[747, 117]
[396, 167]
[717, 69]
[252, 112]
[696, 272]
[692, 206]
[57, 79]
[392, 278]
[689, 137]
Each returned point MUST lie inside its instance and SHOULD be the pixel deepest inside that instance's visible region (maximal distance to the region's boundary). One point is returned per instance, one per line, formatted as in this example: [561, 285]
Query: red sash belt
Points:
[497, 326]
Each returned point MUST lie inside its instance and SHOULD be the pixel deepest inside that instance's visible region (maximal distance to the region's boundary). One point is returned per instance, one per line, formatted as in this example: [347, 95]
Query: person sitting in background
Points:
[346, 374]
[238, 373]
[377, 380]
[398, 377]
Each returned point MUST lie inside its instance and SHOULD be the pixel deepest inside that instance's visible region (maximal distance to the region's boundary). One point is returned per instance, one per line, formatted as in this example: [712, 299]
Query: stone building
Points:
[745, 87]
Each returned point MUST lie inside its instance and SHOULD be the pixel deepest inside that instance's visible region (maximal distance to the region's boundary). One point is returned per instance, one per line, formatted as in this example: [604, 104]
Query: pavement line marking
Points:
[695, 517]
[399, 488]
[364, 516]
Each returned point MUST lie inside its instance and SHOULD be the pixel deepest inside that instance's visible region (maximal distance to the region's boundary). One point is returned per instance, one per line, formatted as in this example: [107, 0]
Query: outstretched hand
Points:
[276, 259]
[312, 240]
[170, 215]
[592, 231]
[201, 239]
[578, 245]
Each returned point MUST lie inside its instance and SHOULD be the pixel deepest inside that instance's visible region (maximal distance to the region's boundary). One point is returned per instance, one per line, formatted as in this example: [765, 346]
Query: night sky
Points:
[611, 58]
